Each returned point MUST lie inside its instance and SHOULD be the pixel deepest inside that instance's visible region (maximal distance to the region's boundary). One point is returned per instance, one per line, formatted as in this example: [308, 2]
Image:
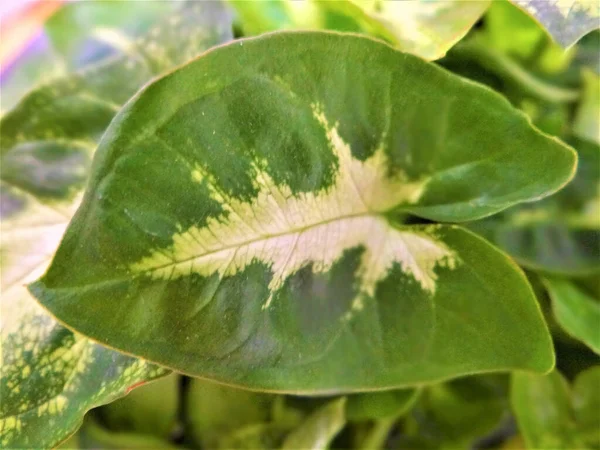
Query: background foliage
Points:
[98, 57]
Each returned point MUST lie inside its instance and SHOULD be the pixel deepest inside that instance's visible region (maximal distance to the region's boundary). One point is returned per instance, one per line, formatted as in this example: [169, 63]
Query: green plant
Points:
[306, 217]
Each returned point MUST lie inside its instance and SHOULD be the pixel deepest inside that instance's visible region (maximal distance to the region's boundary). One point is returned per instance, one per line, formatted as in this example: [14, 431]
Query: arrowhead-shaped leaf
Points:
[50, 375]
[244, 221]
[567, 21]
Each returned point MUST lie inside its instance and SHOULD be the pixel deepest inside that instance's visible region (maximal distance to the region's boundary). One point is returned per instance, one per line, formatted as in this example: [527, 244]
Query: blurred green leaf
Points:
[76, 30]
[381, 411]
[78, 108]
[586, 404]
[224, 417]
[514, 33]
[150, 409]
[423, 27]
[511, 31]
[318, 430]
[587, 120]
[380, 405]
[550, 415]
[514, 77]
[586, 52]
[455, 414]
[254, 437]
[215, 411]
[541, 405]
[94, 436]
[76, 36]
[567, 21]
[577, 313]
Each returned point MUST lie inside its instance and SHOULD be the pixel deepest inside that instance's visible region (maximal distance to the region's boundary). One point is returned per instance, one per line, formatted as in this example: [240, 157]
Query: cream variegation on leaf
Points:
[288, 232]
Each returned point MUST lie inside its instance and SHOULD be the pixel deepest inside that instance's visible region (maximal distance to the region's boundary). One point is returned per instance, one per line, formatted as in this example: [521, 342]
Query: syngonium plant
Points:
[295, 214]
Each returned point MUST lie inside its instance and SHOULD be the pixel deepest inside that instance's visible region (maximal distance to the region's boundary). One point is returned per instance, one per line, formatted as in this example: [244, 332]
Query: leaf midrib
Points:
[299, 230]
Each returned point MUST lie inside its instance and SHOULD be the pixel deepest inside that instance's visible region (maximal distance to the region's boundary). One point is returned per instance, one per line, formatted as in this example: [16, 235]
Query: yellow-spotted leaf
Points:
[79, 106]
[248, 220]
[566, 21]
[51, 376]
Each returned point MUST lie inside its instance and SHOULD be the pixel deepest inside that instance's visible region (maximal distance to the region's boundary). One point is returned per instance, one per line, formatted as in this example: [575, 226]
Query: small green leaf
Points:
[243, 221]
[549, 415]
[380, 405]
[576, 312]
[253, 437]
[528, 42]
[383, 409]
[587, 119]
[150, 409]
[454, 415]
[567, 21]
[586, 404]
[421, 27]
[216, 413]
[319, 429]
[559, 235]
[525, 33]
[94, 436]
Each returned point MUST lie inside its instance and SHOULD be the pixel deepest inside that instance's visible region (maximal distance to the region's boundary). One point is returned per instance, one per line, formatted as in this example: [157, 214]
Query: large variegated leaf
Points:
[567, 21]
[51, 376]
[245, 221]
[423, 27]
